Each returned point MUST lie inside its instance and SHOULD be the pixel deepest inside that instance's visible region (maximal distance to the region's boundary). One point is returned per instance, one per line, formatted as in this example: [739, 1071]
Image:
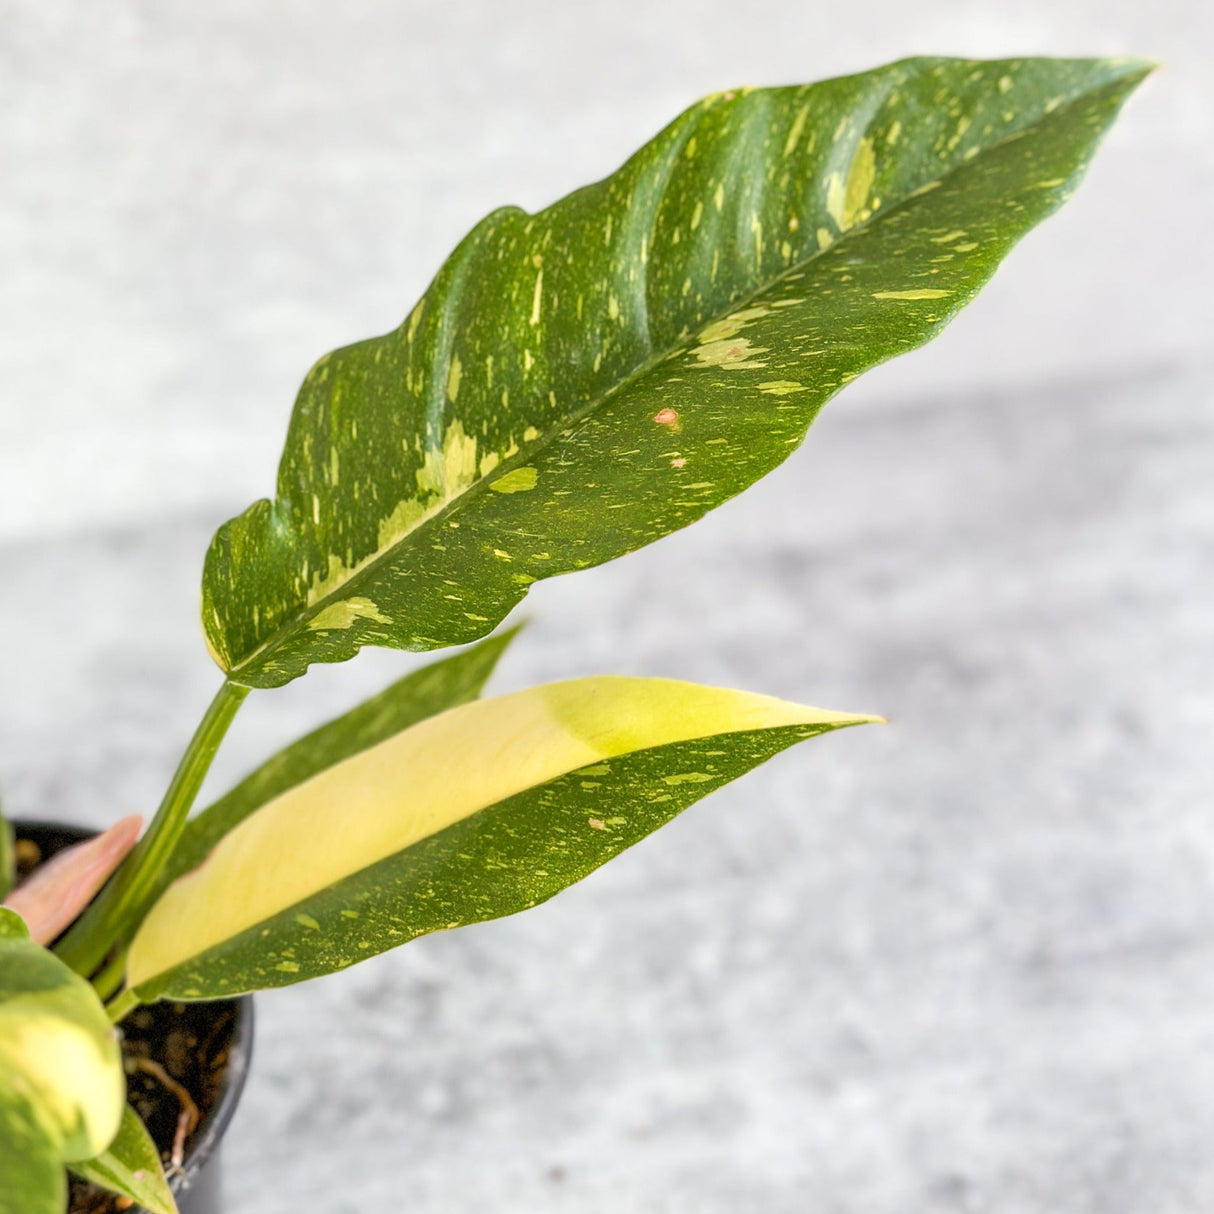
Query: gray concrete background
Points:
[963, 963]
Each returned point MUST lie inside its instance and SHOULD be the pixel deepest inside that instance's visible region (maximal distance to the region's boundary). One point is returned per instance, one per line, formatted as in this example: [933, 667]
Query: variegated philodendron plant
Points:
[573, 385]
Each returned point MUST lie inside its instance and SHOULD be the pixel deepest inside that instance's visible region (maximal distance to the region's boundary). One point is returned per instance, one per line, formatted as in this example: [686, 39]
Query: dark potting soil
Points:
[176, 1057]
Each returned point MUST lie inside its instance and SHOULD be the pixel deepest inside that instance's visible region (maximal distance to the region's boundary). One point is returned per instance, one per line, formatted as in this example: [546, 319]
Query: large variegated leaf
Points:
[62, 1088]
[580, 382]
[131, 1167]
[433, 689]
[476, 813]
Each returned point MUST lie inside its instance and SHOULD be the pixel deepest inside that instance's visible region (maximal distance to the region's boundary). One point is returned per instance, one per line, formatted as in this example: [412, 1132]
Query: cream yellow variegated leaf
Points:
[62, 1088]
[580, 382]
[479, 812]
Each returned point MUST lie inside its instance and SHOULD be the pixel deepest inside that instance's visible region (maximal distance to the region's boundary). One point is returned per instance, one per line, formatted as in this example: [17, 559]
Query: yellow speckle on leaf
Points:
[340, 616]
[781, 387]
[846, 199]
[537, 297]
[918, 293]
[836, 193]
[688, 777]
[718, 196]
[454, 374]
[696, 215]
[730, 353]
[518, 480]
[798, 125]
[530, 434]
[414, 319]
[733, 324]
[613, 307]
[825, 239]
[860, 176]
[894, 132]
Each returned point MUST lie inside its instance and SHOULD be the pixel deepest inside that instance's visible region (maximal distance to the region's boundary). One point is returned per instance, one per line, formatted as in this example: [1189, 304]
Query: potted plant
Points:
[573, 385]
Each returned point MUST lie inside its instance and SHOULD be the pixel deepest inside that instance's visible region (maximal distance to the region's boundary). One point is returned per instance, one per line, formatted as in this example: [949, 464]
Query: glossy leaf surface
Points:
[131, 1167]
[580, 382]
[480, 812]
[435, 688]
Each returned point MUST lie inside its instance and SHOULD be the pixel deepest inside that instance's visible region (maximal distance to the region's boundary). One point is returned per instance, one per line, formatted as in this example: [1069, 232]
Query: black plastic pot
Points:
[198, 1188]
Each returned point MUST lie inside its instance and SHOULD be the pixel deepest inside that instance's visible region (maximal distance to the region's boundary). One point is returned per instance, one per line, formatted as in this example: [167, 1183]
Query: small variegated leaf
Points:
[476, 813]
[61, 1070]
[580, 382]
[131, 1167]
[435, 688]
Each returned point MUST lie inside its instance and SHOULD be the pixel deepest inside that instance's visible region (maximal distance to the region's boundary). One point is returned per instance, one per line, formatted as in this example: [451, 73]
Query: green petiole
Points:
[120, 906]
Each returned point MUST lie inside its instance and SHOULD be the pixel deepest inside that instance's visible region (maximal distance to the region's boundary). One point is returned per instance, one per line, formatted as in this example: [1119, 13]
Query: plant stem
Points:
[119, 908]
[109, 979]
[122, 1005]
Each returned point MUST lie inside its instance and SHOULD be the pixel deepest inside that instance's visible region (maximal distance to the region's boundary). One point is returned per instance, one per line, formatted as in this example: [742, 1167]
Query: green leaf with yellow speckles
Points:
[62, 1088]
[432, 689]
[476, 813]
[580, 382]
[131, 1167]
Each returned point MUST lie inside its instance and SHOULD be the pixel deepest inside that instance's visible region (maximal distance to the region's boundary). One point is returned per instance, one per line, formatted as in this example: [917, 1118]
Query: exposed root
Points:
[187, 1119]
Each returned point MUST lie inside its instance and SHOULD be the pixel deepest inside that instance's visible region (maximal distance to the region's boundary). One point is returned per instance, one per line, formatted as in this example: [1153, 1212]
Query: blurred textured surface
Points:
[963, 963]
